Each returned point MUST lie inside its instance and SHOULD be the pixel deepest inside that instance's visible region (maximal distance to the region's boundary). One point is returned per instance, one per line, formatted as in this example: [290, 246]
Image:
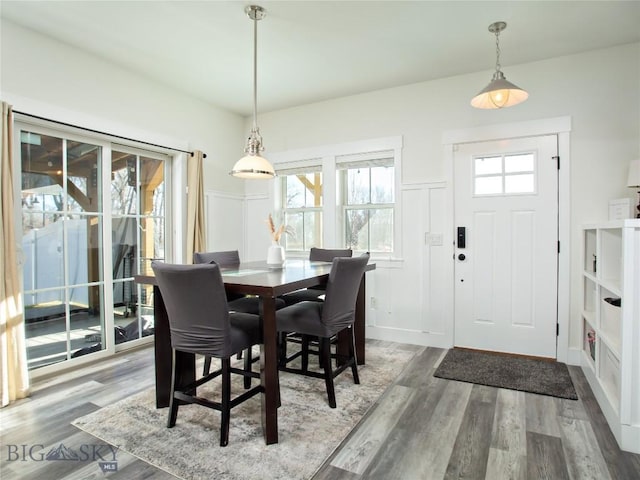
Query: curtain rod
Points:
[204, 155]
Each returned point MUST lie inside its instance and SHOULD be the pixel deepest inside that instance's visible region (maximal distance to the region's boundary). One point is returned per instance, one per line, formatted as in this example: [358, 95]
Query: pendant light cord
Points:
[255, 72]
[498, 66]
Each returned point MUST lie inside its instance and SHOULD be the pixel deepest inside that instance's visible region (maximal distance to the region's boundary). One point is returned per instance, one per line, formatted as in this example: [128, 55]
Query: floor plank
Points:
[545, 459]
[356, 454]
[621, 465]
[471, 450]
[583, 456]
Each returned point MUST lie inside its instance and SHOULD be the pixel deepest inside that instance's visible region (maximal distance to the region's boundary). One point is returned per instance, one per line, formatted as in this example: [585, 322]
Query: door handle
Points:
[462, 236]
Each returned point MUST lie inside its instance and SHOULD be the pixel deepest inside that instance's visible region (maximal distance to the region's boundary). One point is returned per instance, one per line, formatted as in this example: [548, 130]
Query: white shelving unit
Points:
[611, 333]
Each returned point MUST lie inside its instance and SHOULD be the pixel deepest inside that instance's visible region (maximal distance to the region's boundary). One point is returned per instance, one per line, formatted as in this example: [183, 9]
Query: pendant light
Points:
[253, 165]
[500, 92]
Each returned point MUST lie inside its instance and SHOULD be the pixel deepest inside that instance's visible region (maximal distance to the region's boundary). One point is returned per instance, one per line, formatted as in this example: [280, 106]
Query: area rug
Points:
[308, 429]
[543, 377]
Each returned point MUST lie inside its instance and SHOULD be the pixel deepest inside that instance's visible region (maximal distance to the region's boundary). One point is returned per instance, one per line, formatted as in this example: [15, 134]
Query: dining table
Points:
[268, 283]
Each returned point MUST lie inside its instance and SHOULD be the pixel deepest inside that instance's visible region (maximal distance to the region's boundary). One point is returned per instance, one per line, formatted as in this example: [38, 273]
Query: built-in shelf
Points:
[611, 324]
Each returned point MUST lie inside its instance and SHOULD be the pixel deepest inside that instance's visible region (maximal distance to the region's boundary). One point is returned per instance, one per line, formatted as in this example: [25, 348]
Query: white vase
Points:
[275, 256]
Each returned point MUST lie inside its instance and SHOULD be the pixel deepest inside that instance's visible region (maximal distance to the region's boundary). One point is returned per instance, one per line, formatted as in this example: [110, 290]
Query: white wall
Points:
[44, 77]
[600, 90]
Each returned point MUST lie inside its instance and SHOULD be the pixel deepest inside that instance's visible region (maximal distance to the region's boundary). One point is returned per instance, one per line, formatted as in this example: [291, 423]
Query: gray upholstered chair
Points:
[236, 302]
[200, 323]
[326, 319]
[314, 293]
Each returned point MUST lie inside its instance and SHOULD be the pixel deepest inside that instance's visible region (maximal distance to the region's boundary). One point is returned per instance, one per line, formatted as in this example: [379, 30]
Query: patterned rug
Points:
[544, 377]
[308, 429]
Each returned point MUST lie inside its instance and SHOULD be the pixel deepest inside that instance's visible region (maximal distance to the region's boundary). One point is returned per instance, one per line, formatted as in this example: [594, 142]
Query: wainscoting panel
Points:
[409, 298]
[224, 214]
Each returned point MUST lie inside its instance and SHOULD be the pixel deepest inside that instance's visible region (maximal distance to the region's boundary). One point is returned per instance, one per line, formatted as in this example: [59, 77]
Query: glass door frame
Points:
[168, 161]
[106, 145]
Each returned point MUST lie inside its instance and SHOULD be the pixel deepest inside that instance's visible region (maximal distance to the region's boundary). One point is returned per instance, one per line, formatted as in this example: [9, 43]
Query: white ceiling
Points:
[315, 50]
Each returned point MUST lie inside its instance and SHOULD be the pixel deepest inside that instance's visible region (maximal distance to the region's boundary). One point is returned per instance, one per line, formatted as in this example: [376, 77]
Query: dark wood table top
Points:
[257, 278]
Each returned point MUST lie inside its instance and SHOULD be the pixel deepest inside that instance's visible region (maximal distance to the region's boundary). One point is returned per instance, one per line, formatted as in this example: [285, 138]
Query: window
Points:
[302, 208]
[504, 174]
[368, 197]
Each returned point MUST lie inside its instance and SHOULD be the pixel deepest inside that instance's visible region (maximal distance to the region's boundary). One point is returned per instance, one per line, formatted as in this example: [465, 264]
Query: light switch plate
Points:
[434, 239]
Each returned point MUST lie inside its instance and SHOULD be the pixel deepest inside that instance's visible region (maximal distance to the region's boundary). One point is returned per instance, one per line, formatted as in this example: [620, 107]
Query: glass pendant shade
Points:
[499, 93]
[253, 167]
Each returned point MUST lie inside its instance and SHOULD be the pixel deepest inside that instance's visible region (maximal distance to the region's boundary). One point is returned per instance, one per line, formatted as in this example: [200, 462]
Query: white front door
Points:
[506, 214]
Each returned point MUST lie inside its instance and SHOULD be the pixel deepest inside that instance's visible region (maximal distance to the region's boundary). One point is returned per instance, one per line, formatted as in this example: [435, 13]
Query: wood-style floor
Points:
[423, 427]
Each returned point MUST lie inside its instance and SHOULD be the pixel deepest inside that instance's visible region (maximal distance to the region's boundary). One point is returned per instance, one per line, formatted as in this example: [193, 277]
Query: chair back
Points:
[339, 307]
[196, 306]
[327, 255]
[224, 259]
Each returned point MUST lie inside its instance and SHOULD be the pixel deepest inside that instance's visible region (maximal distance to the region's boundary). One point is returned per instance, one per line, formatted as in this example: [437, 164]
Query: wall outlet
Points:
[374, 302]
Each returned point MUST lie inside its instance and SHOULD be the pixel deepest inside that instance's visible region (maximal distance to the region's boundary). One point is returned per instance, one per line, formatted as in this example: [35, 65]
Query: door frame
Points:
[560, 126]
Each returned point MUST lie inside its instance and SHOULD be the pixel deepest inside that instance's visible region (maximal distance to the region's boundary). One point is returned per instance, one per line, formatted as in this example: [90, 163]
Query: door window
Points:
[504, 174]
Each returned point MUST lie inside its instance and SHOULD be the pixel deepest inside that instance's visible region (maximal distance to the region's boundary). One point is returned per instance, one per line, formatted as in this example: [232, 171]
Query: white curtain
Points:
[13, 352]
[196, 239]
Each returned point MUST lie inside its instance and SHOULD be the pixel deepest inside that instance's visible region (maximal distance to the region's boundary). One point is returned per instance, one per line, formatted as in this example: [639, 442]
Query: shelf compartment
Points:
[589, 260]
[589, 301]
[609, 374]
[610, 257]
[589, 344]
[610, 319]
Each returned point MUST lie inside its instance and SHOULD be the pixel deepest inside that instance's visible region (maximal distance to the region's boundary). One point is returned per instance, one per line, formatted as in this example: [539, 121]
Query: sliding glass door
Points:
[93, 215]
[138, 236]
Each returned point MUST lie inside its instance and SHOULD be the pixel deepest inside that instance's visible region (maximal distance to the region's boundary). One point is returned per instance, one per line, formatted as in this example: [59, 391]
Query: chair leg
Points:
[325, 354]
[282, 359]
[247, 367]
[353, 359]
[226, 402]
[174, 403]
[207, 365]
[305, 352]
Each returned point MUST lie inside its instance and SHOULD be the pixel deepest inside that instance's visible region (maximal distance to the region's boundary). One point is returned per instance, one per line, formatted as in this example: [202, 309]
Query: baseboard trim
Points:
[574, 357]
[413, 337]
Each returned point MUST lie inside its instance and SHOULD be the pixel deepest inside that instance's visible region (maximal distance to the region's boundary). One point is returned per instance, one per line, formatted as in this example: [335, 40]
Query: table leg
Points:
[269, 371]
[359, 325]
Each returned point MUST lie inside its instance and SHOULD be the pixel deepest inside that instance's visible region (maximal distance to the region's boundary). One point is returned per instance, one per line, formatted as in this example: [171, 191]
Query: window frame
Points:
[284, 211]
[342, 180]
